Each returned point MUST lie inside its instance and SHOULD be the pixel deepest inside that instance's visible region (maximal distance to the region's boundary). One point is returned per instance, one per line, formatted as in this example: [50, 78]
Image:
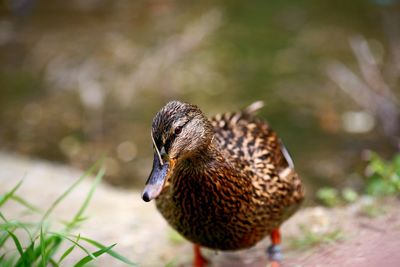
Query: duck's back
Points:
[248, 142]
[250, 145]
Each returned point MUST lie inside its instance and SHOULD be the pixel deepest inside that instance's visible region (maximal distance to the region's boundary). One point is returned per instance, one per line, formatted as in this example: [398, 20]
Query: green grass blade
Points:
[110, 252]
[47, 247]
[7, 196]
[78, 216]
[28, 257]
[42, 245]
[7, 225]
[66, 253]
[16, 242]
[2, 217]
[51, 245]
[88, 259]
[4, 237]
[74, 242]
[7, 261]
[45, 244]
[53, 262]
[69, 250]
[25, 203]
[69, 190]
[55, 245]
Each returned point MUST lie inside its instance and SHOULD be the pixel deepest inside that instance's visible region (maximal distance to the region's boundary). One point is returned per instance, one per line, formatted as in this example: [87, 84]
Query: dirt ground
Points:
[365, 234]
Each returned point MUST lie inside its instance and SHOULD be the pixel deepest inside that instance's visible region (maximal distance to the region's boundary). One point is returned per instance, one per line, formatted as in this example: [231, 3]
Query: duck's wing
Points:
[256, 151]
[250, 144]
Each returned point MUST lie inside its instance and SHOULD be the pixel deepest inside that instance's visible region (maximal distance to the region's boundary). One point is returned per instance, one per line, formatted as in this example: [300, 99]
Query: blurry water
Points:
[80, 78]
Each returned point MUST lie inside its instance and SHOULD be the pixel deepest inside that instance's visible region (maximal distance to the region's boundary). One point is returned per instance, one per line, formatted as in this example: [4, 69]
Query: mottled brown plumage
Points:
[223, 183]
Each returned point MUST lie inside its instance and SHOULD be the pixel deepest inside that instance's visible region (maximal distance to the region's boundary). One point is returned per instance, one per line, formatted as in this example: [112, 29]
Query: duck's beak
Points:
[156, 180]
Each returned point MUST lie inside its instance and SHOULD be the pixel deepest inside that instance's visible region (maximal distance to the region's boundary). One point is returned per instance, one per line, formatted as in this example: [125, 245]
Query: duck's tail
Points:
[254, 107]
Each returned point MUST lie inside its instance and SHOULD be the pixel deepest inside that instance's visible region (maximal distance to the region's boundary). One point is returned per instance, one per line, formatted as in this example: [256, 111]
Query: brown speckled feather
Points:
[233, 192]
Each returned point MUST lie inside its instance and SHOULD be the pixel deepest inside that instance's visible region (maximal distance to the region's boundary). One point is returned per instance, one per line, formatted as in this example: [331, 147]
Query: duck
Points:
[225, 182]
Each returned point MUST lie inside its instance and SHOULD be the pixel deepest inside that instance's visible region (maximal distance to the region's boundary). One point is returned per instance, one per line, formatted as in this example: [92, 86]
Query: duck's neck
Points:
[200, 163]
[205, 172]
[203, 157]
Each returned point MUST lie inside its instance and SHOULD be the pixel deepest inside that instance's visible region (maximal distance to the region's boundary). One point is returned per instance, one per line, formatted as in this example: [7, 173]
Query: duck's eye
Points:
[178, 130]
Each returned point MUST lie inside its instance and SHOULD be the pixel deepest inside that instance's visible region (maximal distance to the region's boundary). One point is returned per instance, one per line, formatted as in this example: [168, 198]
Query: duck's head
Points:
[178, 131]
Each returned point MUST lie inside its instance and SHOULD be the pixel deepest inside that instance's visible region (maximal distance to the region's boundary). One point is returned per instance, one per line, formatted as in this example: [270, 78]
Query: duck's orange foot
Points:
[274, 250]
[199, 260]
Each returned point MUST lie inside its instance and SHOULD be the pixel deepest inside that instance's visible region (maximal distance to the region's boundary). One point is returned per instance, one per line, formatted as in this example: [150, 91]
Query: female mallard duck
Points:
[223, 183]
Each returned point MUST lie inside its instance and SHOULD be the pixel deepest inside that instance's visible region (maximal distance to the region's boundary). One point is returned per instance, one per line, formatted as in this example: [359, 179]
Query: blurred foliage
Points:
[328, 196]
[309, 238]
[383, 177]
[372, 210]
[331, 197]
[36, 244]
[349, 195]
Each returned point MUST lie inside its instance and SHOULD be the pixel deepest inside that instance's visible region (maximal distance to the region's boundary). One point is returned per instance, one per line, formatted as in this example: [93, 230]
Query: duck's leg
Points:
[199, 260]
[274, 250]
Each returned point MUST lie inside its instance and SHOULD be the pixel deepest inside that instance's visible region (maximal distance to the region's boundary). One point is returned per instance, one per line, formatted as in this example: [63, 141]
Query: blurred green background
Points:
[82, 78]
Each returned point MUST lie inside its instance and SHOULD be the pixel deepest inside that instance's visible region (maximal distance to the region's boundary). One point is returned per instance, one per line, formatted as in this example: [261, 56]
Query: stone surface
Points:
[120, 216]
